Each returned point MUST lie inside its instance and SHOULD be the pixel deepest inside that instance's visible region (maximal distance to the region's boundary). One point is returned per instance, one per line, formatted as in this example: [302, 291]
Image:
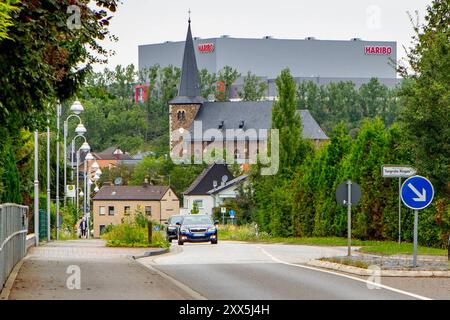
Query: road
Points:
[105, 273]
[233, 271]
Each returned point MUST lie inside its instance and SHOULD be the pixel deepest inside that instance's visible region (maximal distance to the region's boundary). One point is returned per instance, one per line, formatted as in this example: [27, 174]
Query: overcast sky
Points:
[138, 22]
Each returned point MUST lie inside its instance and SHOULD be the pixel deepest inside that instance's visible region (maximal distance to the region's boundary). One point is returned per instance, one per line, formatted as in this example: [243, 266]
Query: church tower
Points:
[184, 107]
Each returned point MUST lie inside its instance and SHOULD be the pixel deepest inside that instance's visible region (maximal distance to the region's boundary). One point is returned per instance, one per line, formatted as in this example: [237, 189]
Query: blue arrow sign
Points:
[231, 212]
[417, 192]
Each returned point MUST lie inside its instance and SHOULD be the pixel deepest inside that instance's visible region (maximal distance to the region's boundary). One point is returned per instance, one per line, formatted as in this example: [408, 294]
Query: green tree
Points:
[5, 19]
[208, 83]
[227, 75]
[254, 89]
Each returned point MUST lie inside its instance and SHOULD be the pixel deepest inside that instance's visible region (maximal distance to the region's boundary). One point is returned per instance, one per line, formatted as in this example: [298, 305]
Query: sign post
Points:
[398, 171]
[348, 193]
[232, 213]
[223, 210]
[417, 193]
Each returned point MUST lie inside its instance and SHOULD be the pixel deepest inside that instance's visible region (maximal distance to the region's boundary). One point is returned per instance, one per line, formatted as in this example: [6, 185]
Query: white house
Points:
[215, 184]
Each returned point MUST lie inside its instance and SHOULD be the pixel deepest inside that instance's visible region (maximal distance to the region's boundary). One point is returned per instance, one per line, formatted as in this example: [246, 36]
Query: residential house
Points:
[112, 204]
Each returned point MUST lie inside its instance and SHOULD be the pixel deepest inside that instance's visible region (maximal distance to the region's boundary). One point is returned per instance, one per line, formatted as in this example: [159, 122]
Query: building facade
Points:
[113, 204]
[321, 61]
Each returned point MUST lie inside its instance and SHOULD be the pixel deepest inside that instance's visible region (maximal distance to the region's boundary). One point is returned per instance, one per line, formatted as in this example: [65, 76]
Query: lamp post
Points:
[36, 187]
[86, 148]
[48, 181]
[76, 109]
[88, 157]
[58, 115]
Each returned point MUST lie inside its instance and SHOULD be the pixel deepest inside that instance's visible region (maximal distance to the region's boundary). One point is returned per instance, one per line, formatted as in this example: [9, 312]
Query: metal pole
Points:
[399, 211]
[349, 217]
[85, 191]
[88, 209]
[58, 114]
[416, 222]
[65, 160]
[36, 187]
[71, 159]
[48, 184]
[78, 174]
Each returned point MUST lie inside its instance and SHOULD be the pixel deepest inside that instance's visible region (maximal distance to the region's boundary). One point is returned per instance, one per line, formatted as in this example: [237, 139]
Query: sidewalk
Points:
[105, 273]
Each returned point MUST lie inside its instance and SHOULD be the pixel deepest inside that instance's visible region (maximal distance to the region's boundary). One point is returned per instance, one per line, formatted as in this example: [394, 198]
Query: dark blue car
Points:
[197, 228]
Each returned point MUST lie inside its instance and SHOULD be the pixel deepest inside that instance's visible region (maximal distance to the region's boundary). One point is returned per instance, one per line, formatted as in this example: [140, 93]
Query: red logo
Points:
[206, 47]
[378, 50]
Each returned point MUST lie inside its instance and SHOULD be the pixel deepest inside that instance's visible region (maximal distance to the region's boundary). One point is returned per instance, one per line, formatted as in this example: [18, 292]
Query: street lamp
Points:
[76, 109]
[88, 157]
[85, 148]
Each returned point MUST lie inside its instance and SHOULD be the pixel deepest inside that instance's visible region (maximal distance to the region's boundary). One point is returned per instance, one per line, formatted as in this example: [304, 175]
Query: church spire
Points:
[189, 91]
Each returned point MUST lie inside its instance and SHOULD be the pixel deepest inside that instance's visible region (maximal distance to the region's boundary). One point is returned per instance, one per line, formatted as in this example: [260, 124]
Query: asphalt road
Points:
[233, 271]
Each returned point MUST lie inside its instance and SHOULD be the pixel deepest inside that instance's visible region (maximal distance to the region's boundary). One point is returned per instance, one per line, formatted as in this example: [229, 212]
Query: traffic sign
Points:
[231, 213]
[396, 171]
[417, 192]
[223, 209]
[342, 193]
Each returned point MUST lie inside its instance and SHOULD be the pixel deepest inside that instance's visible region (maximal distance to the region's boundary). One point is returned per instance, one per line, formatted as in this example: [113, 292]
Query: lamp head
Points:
[85, 147]
[89, 157]
[95, 166]
[76, 107]
[80, 129]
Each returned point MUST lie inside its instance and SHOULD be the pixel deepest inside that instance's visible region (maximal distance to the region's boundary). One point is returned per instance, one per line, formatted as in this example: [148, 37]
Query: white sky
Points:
[138, 22]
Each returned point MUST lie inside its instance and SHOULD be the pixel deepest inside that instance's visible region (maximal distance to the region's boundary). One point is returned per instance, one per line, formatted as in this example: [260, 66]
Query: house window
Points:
[181, 115]
[199, 203]
[110, 210]
[102, 211]
[127, 210]
[102, 229]
[148, 210]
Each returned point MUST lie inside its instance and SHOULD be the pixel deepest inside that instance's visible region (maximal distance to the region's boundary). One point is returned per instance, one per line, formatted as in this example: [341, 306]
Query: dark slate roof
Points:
[204, 182]
[228, 184]
[255, 114]
[108, 154]
[119, 193]
[189, 91]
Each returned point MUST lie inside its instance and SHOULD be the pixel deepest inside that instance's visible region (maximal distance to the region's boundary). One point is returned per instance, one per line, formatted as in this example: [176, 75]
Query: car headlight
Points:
[184, 230]
[171, 228]
[213, 229]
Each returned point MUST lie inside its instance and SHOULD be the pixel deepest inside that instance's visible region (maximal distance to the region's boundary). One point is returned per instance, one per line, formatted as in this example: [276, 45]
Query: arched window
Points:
[181, 115]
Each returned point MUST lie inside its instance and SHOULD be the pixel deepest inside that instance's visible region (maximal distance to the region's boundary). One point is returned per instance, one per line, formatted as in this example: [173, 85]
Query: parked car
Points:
[172, 227]
[197, 228]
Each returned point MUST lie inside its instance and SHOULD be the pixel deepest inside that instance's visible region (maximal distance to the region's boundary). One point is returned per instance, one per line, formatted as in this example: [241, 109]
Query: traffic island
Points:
[388, 266]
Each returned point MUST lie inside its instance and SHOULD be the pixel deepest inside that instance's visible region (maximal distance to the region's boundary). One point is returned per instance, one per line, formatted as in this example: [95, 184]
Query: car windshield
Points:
[175, 219]
[197, 220]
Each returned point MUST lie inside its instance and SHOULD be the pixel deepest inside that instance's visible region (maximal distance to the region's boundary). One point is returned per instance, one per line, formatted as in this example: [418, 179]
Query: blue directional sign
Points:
[417, 192]
[231, 212]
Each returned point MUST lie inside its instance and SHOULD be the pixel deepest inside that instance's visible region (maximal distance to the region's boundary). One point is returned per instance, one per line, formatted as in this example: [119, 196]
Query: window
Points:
[181, 115]
[126, 210]
[102, 229]
[102, 211]
[199, 203]
[110, 210]
[148, 210]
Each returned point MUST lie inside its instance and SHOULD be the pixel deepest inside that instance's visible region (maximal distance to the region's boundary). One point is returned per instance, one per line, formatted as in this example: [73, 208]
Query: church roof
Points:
[189, 91]
[254, 114]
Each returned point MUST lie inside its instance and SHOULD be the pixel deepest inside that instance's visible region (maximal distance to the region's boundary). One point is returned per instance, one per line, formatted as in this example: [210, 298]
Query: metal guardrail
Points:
[13, 233]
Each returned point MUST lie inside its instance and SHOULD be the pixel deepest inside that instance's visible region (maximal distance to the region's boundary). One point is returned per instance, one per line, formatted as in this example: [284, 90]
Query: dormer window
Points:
[181, 115]
[221, 123]
[241, 124]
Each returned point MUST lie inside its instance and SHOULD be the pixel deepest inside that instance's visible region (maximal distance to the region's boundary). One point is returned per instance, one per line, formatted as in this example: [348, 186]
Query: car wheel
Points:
[169, 239]
[213, 241]
[180, 243]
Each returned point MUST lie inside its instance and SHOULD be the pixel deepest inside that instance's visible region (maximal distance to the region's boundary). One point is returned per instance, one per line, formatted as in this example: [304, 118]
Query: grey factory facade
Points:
[321, 61]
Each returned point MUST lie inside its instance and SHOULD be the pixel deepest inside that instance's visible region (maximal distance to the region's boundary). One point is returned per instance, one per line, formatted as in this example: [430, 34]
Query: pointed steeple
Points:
[189, 91]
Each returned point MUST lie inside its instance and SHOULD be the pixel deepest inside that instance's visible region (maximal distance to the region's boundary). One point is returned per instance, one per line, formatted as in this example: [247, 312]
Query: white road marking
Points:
[345, 276]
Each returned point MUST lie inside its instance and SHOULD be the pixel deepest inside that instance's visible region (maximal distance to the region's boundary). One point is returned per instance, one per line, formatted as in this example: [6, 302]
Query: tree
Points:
[285, 118]
[425, 97]
[42, 63]
[5, 19]
[254, 89]
[207, 83]
[227, 76]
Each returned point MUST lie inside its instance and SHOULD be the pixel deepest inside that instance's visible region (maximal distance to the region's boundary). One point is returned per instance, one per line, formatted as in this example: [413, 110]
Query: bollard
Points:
[149, 231]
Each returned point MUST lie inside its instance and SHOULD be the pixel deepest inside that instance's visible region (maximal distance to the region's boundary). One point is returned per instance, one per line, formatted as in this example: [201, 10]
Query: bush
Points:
[248, 232]
[133, 233]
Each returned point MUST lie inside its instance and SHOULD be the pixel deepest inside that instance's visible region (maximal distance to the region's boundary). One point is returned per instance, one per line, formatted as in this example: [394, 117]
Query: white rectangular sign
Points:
[223, 210]
[391, 171]
[70, 191]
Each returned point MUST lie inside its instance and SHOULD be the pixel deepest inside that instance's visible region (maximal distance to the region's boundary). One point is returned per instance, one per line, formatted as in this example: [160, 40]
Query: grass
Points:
[133, 236]
[347, 262]
[249, 233]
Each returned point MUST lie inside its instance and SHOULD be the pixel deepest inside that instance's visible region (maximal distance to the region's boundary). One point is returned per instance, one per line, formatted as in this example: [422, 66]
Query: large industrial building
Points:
[321, 61]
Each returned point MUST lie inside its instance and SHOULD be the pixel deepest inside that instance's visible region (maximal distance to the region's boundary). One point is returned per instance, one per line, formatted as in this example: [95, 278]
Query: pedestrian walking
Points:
[83, 227]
